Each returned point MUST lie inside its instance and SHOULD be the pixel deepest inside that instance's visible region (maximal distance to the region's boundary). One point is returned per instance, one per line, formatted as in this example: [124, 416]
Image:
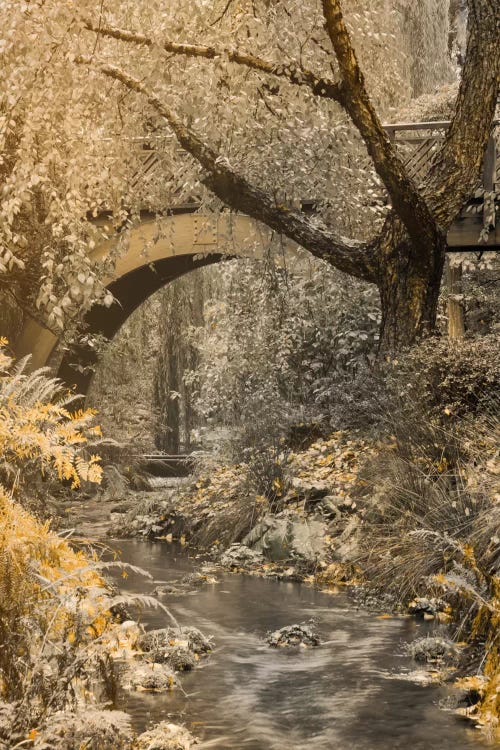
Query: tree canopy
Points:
[252, 106]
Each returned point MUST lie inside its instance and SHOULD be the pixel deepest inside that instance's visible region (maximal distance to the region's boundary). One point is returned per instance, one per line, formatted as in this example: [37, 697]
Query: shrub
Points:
[52, 607]
[52, 600]
[453, 378]
[431, 530]
[92, 730]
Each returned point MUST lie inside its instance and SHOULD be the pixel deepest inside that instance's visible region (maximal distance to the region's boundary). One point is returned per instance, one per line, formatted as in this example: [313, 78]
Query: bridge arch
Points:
[149, 256]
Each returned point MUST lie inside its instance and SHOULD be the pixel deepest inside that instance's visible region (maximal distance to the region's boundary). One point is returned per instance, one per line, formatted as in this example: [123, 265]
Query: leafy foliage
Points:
[38, 431]
[53, 602]
[52, 607]
[277, 344]
[71, 147]
[453, 378]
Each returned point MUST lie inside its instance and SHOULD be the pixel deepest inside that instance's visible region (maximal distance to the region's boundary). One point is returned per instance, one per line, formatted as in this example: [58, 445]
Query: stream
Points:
[351, 693]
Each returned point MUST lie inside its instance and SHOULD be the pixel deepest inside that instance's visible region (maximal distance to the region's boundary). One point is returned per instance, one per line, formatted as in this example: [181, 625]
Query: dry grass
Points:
[432, 528]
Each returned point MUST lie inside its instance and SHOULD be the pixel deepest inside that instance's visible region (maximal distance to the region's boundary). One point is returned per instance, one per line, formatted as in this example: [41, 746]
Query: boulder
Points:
[310, 490]
[165, 736]
[156, 678]
[197, 642]
[432, 650]
[308, 539]
[421, 606]
[198, 578]
[347, 546]
[181, 659]
[241, 556]
[167, 588]
[293, 635]
[162, 643]
[287, 536]
[91, 728]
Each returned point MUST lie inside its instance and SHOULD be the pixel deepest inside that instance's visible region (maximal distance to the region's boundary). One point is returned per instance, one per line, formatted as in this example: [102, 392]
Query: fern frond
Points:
[36, 426]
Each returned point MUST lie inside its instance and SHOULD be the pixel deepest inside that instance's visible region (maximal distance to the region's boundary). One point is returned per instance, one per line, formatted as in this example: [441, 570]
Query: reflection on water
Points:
[249, 696]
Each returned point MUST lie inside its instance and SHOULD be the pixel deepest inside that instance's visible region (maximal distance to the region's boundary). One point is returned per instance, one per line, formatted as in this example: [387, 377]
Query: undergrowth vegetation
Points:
[60, 626]
[431, 528]
[278, 340]
[53, 608]
[41, 439]
[53, 600]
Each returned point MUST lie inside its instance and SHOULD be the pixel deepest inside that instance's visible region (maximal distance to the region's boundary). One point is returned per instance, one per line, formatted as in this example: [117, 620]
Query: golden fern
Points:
[36, 426]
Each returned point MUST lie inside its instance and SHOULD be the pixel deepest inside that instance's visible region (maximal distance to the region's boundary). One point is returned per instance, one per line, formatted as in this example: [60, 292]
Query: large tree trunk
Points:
[406, 261]
[409, 284]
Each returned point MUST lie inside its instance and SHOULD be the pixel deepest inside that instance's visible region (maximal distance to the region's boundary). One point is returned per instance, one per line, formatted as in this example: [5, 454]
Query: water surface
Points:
[348, 694]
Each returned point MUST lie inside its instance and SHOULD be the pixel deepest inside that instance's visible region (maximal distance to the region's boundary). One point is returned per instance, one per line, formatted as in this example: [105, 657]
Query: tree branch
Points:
[406, 198]
[457, 168]
[351, 256]
[292, 73]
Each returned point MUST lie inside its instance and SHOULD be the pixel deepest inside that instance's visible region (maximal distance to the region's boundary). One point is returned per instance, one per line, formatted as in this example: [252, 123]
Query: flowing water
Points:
[351, 693]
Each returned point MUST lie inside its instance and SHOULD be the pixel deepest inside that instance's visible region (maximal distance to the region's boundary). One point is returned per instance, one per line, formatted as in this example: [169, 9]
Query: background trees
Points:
[244, 351]
[270, 105]
[406, 258]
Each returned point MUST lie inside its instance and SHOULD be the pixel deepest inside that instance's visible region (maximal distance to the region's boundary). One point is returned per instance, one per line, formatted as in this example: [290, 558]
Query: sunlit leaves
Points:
[71, 143]
[36, 427]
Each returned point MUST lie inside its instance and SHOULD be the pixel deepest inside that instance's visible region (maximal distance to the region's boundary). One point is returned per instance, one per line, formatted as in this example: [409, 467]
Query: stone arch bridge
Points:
[153, 254]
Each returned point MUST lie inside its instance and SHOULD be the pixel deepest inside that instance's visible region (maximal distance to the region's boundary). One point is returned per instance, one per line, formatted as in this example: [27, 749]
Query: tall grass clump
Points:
[432, 528]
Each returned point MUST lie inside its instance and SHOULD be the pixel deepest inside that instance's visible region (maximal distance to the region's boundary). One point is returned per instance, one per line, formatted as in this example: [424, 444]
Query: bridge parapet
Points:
[417, 142]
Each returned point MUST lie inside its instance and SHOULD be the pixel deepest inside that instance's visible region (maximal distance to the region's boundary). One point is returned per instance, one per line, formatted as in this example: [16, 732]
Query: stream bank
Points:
[342, 511]
[361, 689]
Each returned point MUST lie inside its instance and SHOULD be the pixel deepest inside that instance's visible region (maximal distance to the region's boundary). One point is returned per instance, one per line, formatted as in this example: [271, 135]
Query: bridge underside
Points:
[148, 256]
[130, 291]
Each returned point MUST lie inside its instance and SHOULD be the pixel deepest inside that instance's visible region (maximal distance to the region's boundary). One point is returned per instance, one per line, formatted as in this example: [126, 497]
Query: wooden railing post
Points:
[489, 178]
[455, 309]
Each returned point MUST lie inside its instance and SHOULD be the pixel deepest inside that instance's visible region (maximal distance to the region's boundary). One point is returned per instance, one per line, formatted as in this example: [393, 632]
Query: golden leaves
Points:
[43, 430]
[335, 460]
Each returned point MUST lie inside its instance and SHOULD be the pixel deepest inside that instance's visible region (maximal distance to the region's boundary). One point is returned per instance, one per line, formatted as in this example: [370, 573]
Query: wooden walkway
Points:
[476, 228]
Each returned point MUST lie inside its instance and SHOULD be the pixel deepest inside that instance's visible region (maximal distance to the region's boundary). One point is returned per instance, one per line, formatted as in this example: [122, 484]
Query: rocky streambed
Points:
[351, 681]
[360, 679]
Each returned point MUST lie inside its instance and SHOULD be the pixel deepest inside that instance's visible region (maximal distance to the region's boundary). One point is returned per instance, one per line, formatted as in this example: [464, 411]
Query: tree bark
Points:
[409, 287]
[406, 260]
